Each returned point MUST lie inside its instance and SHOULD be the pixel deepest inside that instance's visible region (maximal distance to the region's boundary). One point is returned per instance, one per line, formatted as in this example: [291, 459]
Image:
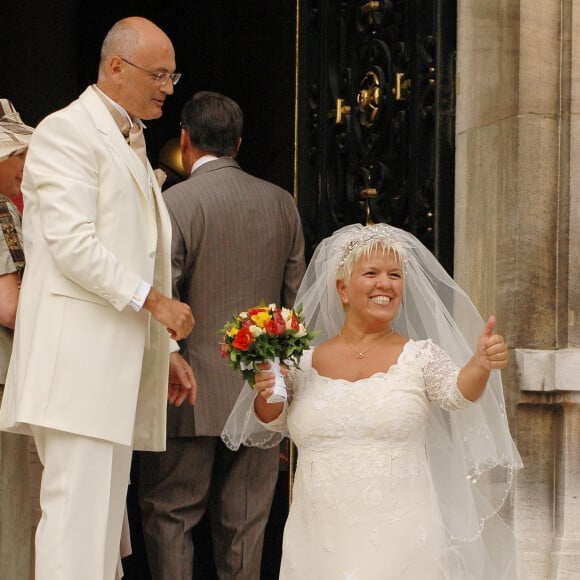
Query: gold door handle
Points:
[400, 86]
[341, 109]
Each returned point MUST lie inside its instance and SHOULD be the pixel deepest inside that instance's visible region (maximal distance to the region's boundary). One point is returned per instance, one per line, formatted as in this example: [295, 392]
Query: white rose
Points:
[287, 317]
[301, 331]
[256, 331]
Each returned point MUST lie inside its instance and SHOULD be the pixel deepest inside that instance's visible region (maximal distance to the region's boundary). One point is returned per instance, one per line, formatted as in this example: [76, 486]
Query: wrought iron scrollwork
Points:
[379, 139]
[370, 98]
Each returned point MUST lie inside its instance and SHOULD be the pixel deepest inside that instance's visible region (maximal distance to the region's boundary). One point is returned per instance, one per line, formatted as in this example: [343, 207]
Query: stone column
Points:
[516, 251]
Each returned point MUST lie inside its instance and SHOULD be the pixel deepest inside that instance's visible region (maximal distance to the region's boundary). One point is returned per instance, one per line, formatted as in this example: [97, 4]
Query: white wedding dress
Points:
[363, 503]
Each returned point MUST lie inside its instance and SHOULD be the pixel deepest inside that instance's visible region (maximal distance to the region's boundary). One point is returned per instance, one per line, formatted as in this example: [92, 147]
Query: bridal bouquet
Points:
[265, 333]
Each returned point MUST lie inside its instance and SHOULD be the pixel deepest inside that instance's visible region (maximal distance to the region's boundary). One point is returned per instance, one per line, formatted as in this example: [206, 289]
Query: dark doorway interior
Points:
[50, 53]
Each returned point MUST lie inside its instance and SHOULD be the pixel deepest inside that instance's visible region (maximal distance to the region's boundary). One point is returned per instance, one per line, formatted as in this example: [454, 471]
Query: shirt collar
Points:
[120, 109]
[202, 160]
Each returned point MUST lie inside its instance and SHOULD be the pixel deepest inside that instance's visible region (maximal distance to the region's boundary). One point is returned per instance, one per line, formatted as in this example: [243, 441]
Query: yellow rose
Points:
[260, 318]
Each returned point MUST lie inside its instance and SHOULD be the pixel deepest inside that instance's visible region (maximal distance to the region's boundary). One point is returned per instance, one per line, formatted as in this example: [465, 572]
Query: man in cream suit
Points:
[237, 240]
[88, 375]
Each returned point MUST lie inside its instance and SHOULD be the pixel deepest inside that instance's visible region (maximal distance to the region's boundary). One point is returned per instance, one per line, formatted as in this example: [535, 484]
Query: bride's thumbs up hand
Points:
[492, 351]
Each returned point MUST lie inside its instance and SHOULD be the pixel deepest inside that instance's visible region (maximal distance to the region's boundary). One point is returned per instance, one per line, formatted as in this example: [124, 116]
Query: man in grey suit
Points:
[237, 240]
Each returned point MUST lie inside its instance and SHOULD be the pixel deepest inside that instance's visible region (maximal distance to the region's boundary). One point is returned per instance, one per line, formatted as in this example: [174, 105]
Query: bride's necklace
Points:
[361, 353]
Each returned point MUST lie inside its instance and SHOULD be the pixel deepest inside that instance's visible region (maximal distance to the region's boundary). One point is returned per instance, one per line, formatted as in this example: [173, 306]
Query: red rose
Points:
[276, 327]
[243, 339]
[280, 322]
[224, 349]
[294, 324]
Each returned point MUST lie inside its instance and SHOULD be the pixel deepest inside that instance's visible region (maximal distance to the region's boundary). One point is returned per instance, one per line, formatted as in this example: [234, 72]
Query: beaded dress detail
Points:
[362, 462]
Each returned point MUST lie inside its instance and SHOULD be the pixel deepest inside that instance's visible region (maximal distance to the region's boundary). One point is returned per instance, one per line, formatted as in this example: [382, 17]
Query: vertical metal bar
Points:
[296, 98]
[291, 462]
[296, 144]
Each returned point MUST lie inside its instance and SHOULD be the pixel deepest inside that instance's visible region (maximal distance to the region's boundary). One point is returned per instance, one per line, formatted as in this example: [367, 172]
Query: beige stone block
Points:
[540, 57]
[570, 219]
[537, 426]
[507, 225]
[571, 51]
[481, 179]
[487, 62]
[548, 370]
[566, 548]
[529, 274]
[485, 186]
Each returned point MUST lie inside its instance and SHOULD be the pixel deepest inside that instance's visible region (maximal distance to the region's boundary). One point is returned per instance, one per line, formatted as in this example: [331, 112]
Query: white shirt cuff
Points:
[173, 346]
[138, 299]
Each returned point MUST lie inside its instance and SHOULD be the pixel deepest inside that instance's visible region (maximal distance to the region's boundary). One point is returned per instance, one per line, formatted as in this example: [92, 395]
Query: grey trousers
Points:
[198, 475]
[20, 472]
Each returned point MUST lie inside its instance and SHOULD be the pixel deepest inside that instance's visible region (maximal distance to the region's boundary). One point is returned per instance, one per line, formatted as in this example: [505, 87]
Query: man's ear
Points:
[115, 67]
[184, 140]
[186, 149]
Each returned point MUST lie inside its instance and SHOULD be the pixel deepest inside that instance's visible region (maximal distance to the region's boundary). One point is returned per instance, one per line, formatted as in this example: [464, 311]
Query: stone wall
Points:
[516, 246]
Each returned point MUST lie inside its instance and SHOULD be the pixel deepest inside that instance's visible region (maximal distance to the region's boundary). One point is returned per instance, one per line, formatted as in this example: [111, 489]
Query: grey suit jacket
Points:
[237, 240]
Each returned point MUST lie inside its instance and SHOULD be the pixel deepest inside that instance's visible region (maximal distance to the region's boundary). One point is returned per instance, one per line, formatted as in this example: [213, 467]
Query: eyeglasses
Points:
[161, 78]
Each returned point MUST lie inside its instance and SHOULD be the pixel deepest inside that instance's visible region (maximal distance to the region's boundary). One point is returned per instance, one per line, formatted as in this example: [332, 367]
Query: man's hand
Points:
[175, 315]
[182, 383]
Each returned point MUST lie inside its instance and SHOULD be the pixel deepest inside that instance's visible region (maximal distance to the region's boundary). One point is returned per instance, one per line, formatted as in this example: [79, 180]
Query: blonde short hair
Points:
[363, 244]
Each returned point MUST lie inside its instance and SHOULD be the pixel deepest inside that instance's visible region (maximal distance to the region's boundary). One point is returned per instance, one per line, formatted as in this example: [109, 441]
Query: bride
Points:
[404, 452]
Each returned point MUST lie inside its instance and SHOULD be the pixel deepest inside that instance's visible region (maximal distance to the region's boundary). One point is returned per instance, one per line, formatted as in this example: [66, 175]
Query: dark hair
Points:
[213, 122]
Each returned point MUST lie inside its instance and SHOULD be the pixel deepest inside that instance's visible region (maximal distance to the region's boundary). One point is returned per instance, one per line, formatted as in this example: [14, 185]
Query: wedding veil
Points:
[471, 453]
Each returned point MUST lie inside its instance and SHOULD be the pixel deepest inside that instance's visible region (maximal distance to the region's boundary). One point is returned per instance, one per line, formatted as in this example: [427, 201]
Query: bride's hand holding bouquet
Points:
[265, 333]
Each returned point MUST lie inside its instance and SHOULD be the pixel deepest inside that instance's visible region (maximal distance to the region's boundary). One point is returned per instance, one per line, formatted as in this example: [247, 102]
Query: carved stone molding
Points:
[549, 370]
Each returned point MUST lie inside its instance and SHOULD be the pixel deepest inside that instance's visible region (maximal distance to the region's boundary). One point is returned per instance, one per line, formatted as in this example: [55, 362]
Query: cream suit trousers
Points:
[82, 496]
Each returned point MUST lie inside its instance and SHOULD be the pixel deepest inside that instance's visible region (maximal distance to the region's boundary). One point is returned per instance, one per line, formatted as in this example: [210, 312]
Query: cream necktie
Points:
[137, 141]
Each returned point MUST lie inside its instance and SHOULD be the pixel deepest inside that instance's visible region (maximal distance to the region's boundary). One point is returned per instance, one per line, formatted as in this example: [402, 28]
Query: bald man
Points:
[88, 377]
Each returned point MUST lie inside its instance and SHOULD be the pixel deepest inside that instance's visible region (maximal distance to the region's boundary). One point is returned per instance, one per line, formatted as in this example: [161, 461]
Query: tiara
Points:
[366, 237]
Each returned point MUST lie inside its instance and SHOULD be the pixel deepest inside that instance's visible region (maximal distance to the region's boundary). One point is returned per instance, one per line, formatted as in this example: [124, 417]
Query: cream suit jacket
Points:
[95, 225]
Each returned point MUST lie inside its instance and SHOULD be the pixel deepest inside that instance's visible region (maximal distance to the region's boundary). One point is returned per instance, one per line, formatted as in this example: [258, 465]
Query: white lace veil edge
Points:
[471, 452]
[242, 427]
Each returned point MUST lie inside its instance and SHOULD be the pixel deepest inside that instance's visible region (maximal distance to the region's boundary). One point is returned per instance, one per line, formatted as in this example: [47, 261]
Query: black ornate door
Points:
[375, 117]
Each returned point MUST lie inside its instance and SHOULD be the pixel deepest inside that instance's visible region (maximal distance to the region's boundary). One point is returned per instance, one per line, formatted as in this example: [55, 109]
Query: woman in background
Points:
[17, 512]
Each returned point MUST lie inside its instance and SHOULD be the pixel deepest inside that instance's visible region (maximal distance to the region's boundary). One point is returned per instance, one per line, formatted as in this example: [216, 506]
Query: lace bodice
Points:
[392, 405]
[362, 478]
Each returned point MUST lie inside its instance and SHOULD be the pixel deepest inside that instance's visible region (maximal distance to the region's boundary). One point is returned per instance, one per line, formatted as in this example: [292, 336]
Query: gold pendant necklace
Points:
[360, 354]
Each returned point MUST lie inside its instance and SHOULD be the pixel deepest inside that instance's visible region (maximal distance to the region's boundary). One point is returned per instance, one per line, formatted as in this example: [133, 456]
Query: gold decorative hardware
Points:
[368, 217]
[400, 86]
[341, 109]
[368, 193]
[370, 6]
[432, 80]
[291, 469]
[369, 98]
